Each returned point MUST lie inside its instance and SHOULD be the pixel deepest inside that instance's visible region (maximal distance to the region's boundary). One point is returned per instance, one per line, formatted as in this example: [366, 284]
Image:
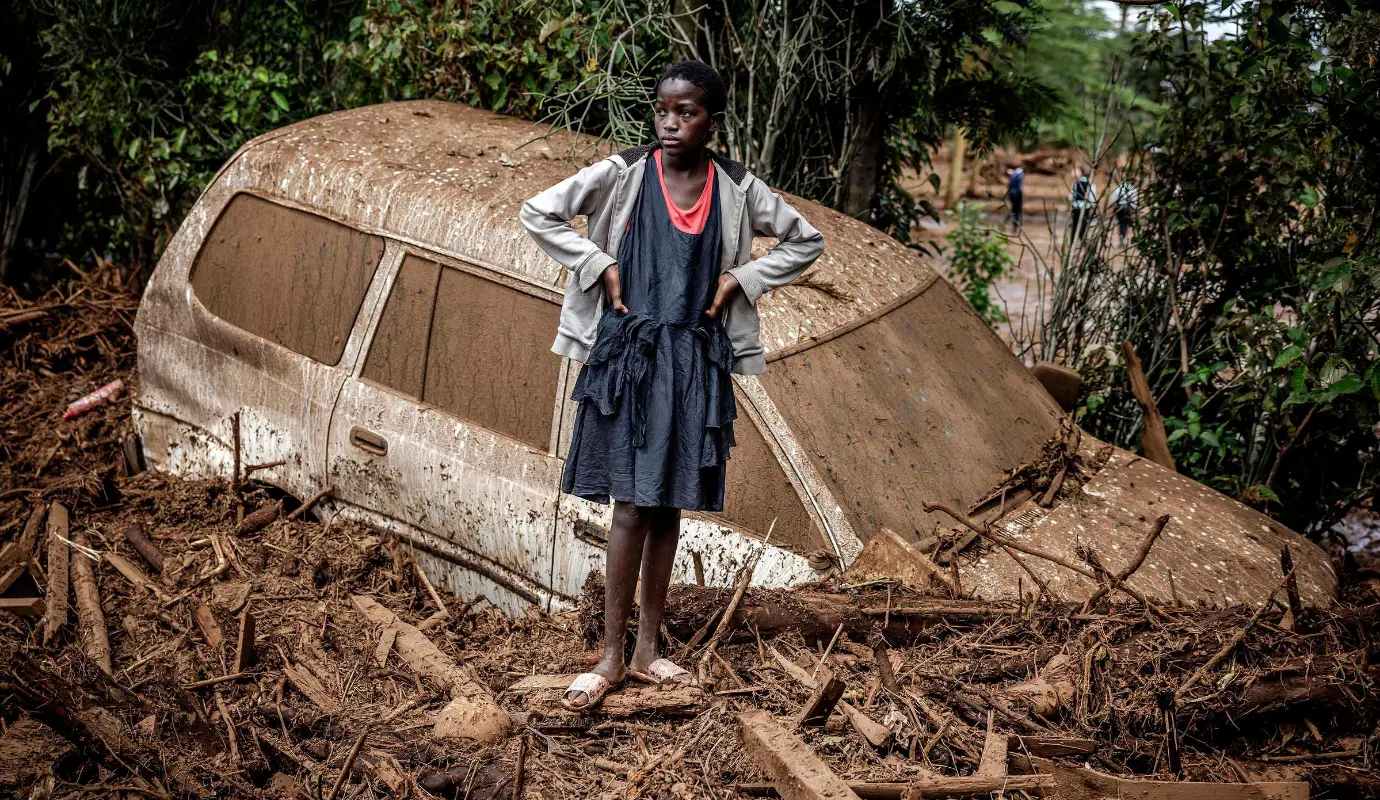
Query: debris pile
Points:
[167, 638]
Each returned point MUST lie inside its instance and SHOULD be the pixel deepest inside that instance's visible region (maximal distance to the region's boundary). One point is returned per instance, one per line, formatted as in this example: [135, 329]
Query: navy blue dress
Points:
[655, 417]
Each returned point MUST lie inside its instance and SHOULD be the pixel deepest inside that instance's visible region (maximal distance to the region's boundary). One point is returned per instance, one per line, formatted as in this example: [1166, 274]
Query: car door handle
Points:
[368, 441]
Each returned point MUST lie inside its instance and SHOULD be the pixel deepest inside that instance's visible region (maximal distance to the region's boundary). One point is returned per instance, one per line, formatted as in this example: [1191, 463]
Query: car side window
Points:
[469, 346]
[294, 278]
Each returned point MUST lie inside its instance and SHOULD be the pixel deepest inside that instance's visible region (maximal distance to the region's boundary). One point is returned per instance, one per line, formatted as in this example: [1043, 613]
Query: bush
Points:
[977, 258]
[1252, 292]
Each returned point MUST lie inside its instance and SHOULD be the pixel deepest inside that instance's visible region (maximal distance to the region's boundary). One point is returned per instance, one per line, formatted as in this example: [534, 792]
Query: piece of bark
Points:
[210, 629]
[305, 682]
[794, 769]
[95, 640]
[244, 646]
[59, 560]
[993, 761]
[21, 550]
[473, 712]
[23, 606]
[385, 645]
[828, 689]
[1153, 440]
[147, 550]
[1291, 589]
[259, 519]
[887, 555]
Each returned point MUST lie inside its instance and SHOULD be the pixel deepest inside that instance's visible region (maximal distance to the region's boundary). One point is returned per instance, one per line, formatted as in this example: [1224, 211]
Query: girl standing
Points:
[660, 328]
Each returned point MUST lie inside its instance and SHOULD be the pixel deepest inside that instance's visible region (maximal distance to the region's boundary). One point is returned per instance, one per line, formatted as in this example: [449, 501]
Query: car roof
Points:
[452, 178]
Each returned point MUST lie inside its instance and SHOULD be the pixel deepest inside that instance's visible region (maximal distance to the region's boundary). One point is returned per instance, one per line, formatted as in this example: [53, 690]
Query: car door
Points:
[256, 324]
[445, 432]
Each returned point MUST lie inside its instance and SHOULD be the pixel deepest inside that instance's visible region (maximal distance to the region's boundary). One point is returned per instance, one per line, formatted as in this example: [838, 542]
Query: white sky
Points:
[1113, 12]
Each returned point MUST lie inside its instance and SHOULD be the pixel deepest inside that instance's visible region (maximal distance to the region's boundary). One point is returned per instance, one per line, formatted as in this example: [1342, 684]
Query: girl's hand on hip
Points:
[613, 287]
[727, 285]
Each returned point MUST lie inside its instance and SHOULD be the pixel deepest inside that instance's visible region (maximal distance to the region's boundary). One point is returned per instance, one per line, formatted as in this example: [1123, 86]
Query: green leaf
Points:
[1347, 385]
[278, 99]
[1265, 492]
[1237, 101]
[1288, 355]
[1308, 197]
[1211, 438]
[1177, 435]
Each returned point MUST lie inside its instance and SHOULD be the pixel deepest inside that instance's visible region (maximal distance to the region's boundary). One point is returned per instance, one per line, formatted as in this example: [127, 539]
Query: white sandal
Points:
[663, 672]
[592, 685]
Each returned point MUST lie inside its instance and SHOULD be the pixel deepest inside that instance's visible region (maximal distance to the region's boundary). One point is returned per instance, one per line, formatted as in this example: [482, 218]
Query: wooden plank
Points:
[1052, 746]
[828, 689]
[306, 683]
[210, 629]
[1083, 782]
[794, 769]
[244, 646]
[979, 785]
[144, 546]
[543, 693]
[131, 572]
[21, 550]
[59, 582]
[23, 606]
[993, 761]
[9, 576]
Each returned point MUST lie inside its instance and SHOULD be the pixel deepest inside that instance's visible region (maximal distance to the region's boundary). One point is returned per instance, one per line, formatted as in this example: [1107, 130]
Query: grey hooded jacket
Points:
[605, 191]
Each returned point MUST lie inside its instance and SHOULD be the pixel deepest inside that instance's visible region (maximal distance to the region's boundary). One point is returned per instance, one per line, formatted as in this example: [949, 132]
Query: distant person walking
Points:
[1082, 197]
[1125, 204]
[1015, 193]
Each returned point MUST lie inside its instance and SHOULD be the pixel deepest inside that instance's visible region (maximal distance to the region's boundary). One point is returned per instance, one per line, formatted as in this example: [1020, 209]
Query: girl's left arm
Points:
[798, 243]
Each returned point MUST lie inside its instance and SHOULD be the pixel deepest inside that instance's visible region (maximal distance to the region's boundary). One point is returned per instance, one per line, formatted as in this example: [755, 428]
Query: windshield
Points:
[924, 404]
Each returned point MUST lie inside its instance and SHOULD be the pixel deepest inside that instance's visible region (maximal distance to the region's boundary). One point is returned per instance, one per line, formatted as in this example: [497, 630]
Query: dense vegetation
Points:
[119, 113]
[1253, 288]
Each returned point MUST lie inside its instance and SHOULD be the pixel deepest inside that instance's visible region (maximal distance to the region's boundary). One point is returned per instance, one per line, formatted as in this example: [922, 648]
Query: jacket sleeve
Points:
[547, 219]
[798, 243]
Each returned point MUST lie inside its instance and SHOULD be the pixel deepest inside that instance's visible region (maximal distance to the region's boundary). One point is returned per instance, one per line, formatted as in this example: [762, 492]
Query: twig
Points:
[1131, 568]
[827, 650]
[311, 501]
[744, 578]
[431, 590]
[349, 762]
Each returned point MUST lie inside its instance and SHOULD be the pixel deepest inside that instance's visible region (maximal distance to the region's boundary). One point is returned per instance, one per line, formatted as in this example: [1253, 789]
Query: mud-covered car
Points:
[358, 288]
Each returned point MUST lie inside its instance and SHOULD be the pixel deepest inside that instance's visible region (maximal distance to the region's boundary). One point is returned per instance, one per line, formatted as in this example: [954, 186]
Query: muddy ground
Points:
[1250, 695]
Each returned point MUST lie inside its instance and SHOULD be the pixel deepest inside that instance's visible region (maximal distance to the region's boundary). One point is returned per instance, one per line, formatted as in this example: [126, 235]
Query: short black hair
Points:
[705, 77]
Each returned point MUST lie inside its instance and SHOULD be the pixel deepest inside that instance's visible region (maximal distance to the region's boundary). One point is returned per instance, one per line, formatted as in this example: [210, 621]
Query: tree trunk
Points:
[860, 175]
[953, 187]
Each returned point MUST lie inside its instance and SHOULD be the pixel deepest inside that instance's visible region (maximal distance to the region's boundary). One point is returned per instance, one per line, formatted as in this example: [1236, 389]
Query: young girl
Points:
[660, 327]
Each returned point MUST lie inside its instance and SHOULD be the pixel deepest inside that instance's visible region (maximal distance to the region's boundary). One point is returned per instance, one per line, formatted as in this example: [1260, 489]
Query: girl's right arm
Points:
[547, 218]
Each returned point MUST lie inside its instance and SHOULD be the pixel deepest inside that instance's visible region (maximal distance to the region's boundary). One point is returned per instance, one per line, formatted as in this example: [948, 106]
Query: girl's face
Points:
[683, 121]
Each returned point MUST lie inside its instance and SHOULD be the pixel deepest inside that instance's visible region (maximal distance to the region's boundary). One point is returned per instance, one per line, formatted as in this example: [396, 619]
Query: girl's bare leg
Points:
[658, 555]
[626, 537]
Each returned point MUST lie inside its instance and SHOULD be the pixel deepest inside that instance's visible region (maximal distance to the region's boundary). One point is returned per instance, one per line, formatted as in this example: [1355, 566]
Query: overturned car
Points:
[353, 300]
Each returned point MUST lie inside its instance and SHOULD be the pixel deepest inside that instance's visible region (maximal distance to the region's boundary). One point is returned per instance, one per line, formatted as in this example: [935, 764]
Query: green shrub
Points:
[977, 258]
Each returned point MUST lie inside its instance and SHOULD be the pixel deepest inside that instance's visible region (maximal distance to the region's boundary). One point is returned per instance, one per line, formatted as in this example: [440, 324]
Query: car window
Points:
[469, 346]
[397, 356]
[293, 278]
[923, 404]
[490, 356]
[758, 492]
